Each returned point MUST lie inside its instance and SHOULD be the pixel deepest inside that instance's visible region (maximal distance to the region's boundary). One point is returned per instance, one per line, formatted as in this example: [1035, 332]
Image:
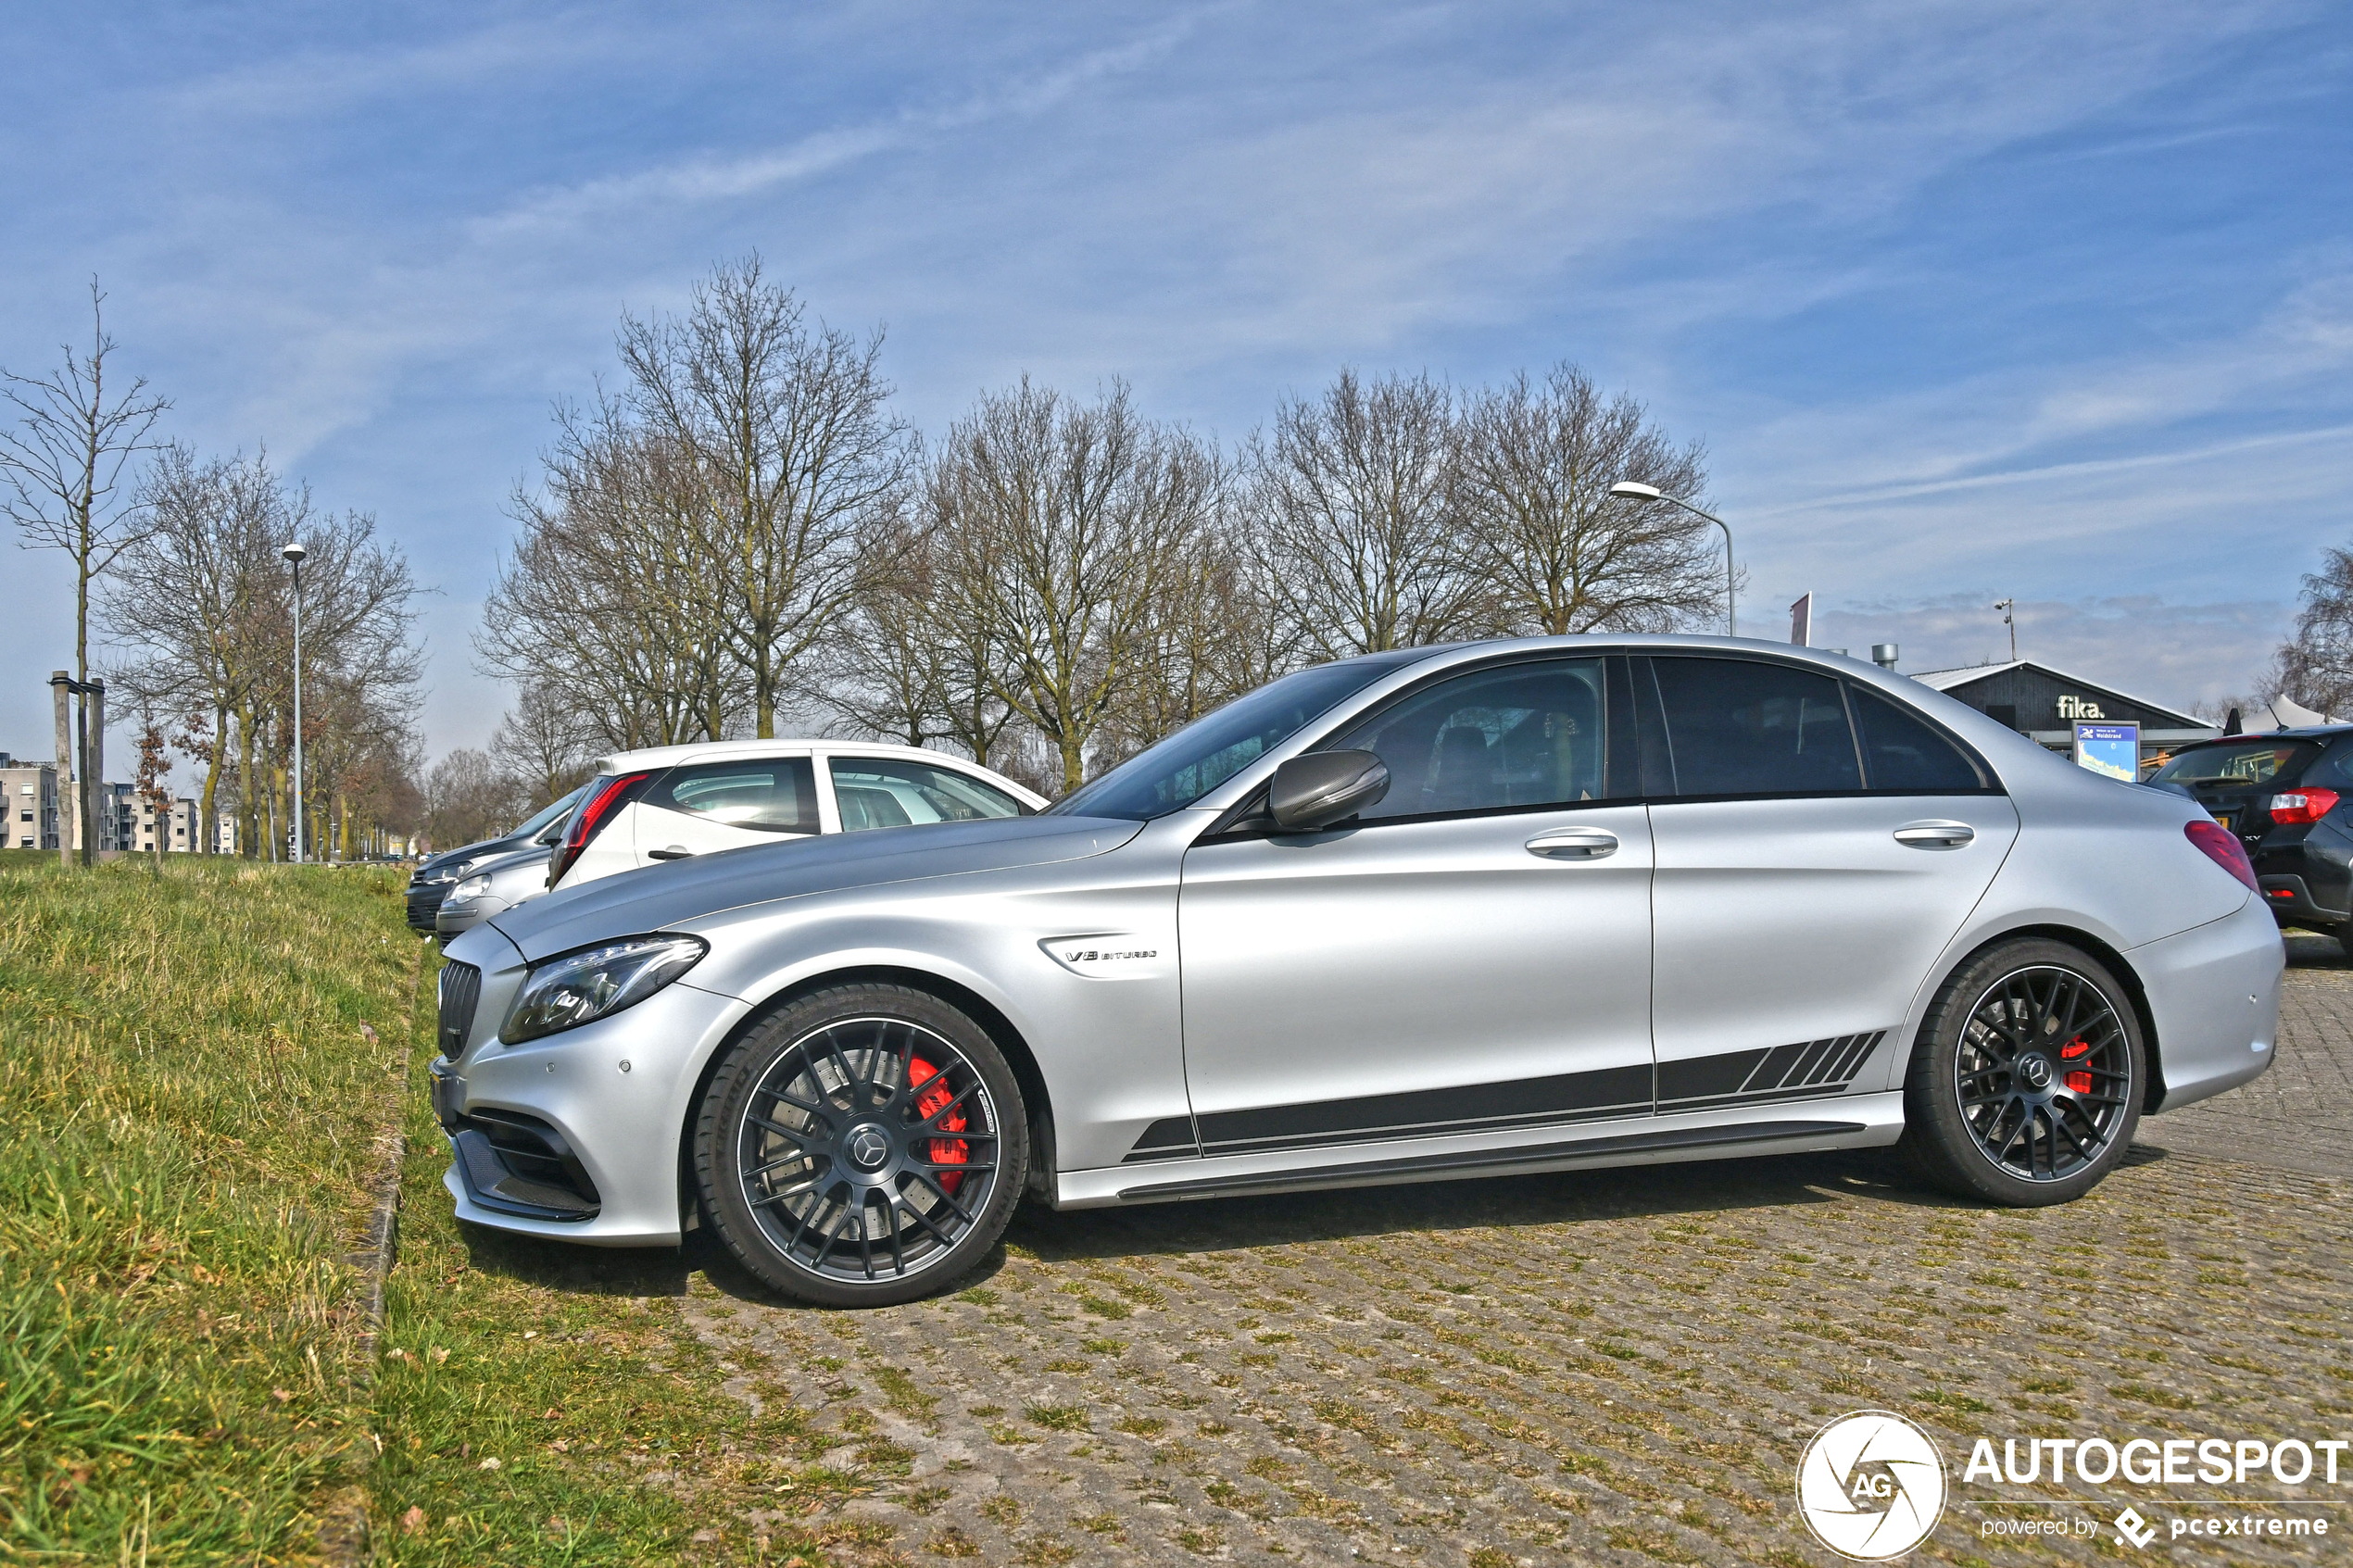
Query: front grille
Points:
[460, 989]
[424, 902]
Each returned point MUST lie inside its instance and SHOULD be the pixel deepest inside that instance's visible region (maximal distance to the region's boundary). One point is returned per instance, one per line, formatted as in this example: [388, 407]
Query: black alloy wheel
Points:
[2026, 1085]
[862, 1144]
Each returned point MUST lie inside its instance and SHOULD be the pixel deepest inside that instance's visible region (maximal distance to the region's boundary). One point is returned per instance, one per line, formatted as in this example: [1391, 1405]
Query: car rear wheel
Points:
[2026, 1084]
[862, 1145]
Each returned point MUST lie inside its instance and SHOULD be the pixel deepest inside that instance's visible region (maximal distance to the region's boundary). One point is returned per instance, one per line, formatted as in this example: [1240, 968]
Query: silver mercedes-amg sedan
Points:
[1494, 907]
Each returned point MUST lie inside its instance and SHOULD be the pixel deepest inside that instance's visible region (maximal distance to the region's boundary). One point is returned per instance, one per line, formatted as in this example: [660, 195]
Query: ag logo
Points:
[1870, 1485]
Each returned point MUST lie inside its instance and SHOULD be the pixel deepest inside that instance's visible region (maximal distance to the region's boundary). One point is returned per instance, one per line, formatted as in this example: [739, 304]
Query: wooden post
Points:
[95, 792]
[68, 807]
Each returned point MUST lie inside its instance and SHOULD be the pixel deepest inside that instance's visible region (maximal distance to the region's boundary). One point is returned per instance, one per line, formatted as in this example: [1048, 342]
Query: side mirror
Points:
[1324, 787]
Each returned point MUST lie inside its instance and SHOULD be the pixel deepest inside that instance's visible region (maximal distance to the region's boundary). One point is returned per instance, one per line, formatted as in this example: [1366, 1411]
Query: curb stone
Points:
[342, 1525]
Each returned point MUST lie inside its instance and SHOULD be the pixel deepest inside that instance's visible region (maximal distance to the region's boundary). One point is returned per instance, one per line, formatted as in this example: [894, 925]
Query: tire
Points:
[2026, 1083]
[862, 1145]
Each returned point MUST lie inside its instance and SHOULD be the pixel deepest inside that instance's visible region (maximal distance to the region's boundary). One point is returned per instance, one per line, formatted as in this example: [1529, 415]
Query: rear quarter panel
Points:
[2093, 855]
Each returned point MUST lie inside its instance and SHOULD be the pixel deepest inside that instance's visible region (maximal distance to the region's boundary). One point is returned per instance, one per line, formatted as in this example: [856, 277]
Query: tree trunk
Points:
[205, 830]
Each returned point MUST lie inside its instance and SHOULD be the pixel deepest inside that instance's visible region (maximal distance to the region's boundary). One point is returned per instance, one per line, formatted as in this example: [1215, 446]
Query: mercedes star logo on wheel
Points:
[2035, 1071]
[869, 1148]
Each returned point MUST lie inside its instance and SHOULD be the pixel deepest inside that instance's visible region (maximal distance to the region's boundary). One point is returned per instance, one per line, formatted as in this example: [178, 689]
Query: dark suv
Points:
[2289, 798]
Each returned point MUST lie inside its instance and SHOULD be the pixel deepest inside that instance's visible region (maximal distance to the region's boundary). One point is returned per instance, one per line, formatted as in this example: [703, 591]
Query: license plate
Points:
[2228, 818]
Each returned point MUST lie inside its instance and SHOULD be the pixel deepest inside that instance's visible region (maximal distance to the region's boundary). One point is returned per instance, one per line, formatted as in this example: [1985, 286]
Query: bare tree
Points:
[1355, 518]
[467, 799]
[192, 604]
[1215, 635]
[2314, 666]
[791, 450]
[540, 744]
[64, 464]
[904, 664]
[607, 601]
[1061, 525]
[1536, 461]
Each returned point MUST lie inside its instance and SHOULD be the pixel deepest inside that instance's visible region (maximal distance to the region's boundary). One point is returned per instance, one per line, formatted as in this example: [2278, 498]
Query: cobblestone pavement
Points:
[1613, 1367]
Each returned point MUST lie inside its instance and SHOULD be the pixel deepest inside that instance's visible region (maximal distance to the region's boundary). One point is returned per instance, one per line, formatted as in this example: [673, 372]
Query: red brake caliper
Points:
[2080, 1082]
[944, 1152]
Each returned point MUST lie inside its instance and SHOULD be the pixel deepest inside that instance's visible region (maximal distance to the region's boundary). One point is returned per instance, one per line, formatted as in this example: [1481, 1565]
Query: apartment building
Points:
[32, 793]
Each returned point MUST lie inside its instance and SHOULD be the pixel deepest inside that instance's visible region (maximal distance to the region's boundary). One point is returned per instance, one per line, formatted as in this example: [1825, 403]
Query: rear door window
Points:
[1743, 726]
[775, 794]
[2334, 771]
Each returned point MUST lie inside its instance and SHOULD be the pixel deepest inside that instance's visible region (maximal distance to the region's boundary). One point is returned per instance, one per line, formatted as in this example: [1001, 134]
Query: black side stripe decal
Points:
[1810, 1069]
[1171, 1137]
[1807, 1069]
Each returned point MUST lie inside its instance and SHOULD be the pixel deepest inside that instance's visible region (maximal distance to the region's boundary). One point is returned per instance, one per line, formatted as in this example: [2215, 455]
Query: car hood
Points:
[466, 852]
[536, 855]
[659, 897]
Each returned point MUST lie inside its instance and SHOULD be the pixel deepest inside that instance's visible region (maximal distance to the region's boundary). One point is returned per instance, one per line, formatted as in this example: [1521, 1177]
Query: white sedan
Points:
[670, 802]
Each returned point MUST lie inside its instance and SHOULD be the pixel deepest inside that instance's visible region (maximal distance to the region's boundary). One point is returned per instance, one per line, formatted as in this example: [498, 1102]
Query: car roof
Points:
[721, 750]
[2308, 732]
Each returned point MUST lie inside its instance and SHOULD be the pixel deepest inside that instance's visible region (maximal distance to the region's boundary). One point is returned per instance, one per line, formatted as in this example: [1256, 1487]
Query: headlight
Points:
[472, 887]
[596, 982]
[451, 873]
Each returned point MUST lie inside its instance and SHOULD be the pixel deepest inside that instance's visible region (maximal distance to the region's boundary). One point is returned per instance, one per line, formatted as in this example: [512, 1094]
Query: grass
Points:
[189, 1098]
[196, 1070]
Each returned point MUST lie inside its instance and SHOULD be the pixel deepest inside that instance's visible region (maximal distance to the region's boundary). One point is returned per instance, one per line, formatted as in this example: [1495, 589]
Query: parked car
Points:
[435, 875]
[493, 888]
[674, 801]
[2288, 795]
[1465, 911]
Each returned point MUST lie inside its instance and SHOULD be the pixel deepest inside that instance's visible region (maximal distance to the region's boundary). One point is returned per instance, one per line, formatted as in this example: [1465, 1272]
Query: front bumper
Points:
[576, 1136]
[456, 917]
[424, 904]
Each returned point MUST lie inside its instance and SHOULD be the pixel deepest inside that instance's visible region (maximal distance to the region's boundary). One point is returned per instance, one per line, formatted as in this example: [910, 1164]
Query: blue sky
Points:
[1966, 301]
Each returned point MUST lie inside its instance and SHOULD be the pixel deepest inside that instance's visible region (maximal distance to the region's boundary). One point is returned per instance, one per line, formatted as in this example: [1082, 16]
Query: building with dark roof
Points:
[2046, 704]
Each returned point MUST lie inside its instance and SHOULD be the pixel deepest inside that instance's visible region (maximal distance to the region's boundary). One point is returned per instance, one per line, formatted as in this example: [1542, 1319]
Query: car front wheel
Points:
[2026, 1084]
[862, 1145]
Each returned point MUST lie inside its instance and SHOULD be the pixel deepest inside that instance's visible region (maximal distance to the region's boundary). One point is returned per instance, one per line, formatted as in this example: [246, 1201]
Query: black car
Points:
[2289, 798]
[432, 878]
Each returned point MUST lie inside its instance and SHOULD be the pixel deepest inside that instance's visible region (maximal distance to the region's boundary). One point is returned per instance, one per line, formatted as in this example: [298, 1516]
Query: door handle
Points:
[1934, 834]
[1574, 844]
[675, 852]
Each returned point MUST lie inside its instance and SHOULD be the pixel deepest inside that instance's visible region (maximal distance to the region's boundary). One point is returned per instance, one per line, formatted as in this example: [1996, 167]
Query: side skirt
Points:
[1866, 1120]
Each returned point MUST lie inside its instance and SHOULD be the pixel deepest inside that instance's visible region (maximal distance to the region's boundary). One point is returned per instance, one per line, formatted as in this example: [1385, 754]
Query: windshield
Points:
[546, 816]
[1180, 770]
[2237, 764]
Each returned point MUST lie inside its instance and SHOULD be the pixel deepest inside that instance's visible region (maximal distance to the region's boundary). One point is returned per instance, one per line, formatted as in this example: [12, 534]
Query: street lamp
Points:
[294, 553]
[1631, 491]
[2009, 619]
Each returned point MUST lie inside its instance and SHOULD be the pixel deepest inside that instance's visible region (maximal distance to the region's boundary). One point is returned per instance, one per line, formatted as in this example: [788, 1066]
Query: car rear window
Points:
[2238, 764]
[1902, 750]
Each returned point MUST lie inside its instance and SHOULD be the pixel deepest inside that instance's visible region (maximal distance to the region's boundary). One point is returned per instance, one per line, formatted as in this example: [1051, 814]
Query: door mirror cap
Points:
[1323, 787]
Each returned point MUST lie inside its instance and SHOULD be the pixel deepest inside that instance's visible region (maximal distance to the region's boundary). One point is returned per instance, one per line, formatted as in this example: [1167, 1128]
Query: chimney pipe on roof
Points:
[1883, 655]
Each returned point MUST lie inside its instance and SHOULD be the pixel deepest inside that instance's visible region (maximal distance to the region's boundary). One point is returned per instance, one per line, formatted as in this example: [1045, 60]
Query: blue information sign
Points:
[2113, 750]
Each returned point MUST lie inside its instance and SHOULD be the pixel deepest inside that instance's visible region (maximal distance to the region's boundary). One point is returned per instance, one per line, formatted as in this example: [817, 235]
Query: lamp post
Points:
[2009, 619]
[1628, 490]
[294, 553]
